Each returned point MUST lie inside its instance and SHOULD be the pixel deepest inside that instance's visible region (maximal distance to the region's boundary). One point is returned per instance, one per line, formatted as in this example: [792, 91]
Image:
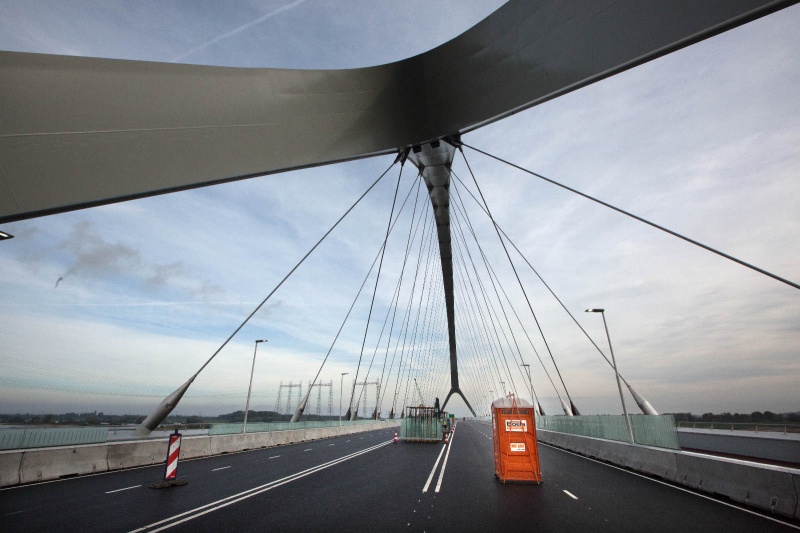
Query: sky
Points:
[113, 307]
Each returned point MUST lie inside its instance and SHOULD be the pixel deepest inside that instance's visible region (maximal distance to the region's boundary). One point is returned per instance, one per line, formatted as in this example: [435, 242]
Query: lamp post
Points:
[250, 388]
[534, 401]
[341, 383]
[616, 371]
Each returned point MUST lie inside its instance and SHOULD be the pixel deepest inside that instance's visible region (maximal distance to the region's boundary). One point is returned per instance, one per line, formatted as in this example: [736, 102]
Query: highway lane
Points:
[122, 501]
[377, 486]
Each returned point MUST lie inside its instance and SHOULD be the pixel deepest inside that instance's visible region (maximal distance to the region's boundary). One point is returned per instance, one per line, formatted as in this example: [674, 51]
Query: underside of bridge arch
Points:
[81, 131]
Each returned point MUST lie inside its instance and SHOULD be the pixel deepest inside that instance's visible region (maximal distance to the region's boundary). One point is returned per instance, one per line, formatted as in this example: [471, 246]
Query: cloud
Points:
[703, 141]
[94, 256]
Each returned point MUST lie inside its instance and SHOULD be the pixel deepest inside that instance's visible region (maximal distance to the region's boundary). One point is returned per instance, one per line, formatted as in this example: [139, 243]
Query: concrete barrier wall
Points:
[764, 445]
[131, 454]
[9, 468]
[772, 488]
[28, 466]
[53, 463]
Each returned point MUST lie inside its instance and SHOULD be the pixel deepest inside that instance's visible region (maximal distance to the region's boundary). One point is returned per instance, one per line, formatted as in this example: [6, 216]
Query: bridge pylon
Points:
[434, 161]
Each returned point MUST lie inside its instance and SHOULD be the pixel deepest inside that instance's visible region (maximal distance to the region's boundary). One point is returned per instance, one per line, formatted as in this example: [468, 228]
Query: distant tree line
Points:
[756, 417]
[267, 416]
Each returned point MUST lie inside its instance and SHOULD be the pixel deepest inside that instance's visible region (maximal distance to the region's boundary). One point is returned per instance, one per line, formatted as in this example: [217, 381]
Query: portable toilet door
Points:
[516, 452]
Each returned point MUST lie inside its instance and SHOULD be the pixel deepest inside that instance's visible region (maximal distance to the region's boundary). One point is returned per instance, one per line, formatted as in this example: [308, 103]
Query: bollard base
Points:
[169, 483]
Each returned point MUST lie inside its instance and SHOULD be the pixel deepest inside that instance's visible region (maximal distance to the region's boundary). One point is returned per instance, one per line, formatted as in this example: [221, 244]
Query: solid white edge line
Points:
[568, 493]
[261, 488]
[444, 464]
[286, 480]
[140, 467]
[119, 490]
[433, 470]
[673, 486]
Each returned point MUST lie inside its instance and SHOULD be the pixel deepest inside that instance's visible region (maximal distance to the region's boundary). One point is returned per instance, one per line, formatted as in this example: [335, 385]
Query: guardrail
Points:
[650, 430]
[12, 439]
[742, 426]
[38, 437]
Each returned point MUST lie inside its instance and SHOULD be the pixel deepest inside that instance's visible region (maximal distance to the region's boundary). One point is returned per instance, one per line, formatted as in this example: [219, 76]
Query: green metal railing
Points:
[261, 427]
[743, 426]
[421, 429]
[11, 439]
[659, 431]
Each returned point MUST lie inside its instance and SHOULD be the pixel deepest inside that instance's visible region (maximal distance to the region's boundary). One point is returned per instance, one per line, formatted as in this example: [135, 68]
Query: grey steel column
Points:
[434, 161]
[250, 388]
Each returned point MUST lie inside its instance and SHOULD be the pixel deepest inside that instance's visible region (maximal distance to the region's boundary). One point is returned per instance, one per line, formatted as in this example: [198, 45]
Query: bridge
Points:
[369, 482]
[457, 283]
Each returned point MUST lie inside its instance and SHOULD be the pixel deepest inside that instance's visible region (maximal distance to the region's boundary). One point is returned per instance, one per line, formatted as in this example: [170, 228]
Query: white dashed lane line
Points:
[120, 490]
[273, 457]
[568, 493]
[220, 468]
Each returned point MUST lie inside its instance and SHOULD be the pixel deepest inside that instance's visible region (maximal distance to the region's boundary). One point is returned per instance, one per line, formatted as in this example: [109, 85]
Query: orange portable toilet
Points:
[516, 453]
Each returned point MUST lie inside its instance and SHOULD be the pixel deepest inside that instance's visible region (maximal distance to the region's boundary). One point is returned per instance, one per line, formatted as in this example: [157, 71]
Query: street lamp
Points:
[534, 401]
[247, 406]
[341, 384]
[616, 372]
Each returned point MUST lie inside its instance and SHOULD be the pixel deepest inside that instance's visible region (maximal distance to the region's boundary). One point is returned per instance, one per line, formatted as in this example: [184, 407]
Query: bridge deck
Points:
[378, 490]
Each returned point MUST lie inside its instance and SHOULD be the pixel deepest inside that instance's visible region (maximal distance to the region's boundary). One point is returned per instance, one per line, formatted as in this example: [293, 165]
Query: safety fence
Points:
[262, 427]
[13, 439]
[650, 430]
[421, 429]
[743, 426]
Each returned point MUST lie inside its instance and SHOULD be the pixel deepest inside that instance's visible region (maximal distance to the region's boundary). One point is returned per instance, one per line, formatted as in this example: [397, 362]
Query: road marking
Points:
[273, 457]
[220, 468]
[433, 471]
[308, 449]
[673, 486]
[119, 490]
[568, 493]
[224, 502]
[331, 445]
[444, 464]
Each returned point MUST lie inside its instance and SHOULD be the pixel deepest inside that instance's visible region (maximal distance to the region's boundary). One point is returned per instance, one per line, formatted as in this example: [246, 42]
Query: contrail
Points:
[240, 29]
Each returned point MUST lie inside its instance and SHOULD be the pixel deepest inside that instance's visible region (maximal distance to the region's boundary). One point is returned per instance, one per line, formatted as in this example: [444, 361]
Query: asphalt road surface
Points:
[365, 482]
